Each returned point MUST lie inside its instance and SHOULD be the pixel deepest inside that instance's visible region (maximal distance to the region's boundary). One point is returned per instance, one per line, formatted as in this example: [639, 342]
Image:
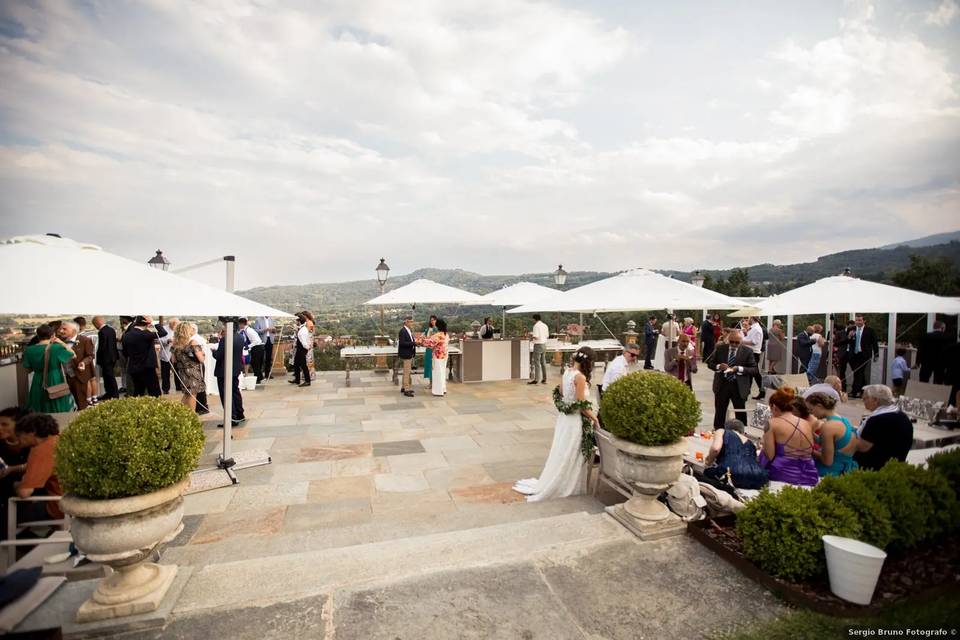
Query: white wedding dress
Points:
[565, 473]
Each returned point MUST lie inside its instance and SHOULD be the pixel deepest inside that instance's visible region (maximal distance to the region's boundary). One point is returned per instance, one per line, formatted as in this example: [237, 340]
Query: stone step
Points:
[268, 580]
[384, 528]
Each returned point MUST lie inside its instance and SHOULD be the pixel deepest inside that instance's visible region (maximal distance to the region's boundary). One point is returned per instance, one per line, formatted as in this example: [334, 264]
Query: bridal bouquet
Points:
[438, 344]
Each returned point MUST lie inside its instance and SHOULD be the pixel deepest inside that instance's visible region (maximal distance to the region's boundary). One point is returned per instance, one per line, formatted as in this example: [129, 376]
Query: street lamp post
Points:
[159, 261]
[383, 271]
[560, 279]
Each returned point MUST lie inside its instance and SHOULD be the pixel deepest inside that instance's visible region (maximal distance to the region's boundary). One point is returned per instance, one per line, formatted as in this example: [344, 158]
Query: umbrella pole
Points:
[503, 323]
[228, 379]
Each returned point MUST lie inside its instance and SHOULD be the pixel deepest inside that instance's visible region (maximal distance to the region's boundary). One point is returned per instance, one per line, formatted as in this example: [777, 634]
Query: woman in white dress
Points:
[565, 472]
[439, 342]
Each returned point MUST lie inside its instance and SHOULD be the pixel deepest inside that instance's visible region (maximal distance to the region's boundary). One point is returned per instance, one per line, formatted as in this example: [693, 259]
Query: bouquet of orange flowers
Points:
[438, 343]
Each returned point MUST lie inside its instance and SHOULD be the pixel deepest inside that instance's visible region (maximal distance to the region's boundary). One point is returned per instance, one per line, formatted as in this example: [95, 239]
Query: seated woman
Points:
[41, 433]
[732, 450]
[788, 442]
[837, 439]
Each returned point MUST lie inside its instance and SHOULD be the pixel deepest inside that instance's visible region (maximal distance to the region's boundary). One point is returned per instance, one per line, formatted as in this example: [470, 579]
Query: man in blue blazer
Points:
[407, 351]
[220, 355]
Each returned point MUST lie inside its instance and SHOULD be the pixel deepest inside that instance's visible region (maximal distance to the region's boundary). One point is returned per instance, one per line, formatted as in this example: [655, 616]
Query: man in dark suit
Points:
[406, 351]
[804, 349]
[841, 341]
[708, 341]
[735, 367]
[139, 342]
[861, 346]
[107, 357]
[931, 354]
[220, 355]
[650, 334]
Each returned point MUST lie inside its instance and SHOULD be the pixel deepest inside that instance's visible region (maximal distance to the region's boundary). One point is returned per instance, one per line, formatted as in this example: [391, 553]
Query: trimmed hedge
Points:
[128, 447]
[649, 408]
[947, 464]
[781, 532]
[897, 508]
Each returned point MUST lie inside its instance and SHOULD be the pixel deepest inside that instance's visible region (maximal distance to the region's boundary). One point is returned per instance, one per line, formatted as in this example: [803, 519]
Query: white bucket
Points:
[854, 568]
[250, 383]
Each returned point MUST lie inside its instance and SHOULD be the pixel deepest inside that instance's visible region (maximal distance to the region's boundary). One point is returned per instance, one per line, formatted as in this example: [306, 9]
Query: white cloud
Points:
[944, 14]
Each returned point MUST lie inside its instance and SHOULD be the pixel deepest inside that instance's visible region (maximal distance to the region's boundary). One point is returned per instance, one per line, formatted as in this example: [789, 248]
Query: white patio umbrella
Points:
[514, 295]
[635, 290]
[426, 292]
[844, 294]
[47, 275]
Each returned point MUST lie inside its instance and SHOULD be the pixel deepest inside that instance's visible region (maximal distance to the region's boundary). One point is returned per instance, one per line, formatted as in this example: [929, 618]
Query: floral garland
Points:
[587, 438]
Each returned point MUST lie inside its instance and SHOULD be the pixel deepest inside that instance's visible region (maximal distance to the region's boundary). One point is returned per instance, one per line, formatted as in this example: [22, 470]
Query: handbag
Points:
[57, 390]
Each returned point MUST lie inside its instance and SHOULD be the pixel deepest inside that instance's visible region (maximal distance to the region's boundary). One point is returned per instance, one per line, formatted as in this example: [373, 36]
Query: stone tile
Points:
[343, 488]
[252, 444]
[327, 419]
[417, 462]
[360, 467]
[448, 443]
[212, 501]
[301, 472]
[234, 522]
[501, 439]
[190, 526]
[354, 437]
[286, 431]
[400, 483]
[268, 495]
[494, 427]
[309, 517]
[341, 452]
[397, 447]
[300, 442]
[536, 436]
[502, 416]
[501, 493]
[455, 477]
[384, 502]
[480, 455]
[344, 402]
[513, 470]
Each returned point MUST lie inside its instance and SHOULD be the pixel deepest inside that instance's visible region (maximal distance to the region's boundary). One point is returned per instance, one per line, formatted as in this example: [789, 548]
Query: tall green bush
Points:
[854, 492]
[947, 464]
[782, 532]
[128, 447]
[649, 408]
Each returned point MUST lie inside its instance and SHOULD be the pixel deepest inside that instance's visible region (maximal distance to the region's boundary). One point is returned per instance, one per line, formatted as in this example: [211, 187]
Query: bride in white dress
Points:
[565, 472]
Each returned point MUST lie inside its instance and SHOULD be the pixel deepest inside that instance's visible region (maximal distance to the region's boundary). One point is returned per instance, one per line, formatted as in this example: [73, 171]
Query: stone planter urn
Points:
[122, 533]
[648, 471]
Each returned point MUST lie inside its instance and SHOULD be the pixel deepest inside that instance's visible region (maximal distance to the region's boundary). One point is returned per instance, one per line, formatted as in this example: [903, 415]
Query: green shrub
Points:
[947, 464]
[854, 492]
[782, 532]
[922, 505]
[649, 409]
[128, 447]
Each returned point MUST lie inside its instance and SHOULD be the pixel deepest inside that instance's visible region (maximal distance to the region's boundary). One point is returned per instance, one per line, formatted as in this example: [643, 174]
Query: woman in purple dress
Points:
[788, 442]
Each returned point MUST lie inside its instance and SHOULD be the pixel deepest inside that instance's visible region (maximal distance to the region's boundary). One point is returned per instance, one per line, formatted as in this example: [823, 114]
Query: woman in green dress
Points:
[428, 356]
[60, 354]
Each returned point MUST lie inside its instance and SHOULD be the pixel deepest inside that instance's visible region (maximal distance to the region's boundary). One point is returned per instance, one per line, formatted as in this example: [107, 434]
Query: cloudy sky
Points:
[312, 138]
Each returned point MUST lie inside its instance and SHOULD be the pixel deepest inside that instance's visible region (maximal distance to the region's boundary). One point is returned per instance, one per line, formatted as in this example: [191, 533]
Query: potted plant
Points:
[124, 466]
[645, 417]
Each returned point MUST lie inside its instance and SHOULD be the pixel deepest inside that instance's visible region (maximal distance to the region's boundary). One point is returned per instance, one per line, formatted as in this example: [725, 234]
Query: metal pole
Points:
[827, 351]
[891, 347]
[931, 318]
[381, 313]
[228, 381]
[231, 272]
[789, 364]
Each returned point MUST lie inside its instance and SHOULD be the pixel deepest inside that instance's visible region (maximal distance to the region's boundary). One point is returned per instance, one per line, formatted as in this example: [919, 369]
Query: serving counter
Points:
[490, 360]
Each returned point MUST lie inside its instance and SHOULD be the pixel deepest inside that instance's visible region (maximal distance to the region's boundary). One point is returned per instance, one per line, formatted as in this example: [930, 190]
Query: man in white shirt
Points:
[302, 346]
[165, 368]
[255, 344]
[753, 339]
[538, 360]
[620, 366]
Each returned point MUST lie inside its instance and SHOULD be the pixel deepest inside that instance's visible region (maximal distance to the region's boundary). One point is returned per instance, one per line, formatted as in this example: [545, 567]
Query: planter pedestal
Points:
[123, 534]
[648, 471]
[151, 581]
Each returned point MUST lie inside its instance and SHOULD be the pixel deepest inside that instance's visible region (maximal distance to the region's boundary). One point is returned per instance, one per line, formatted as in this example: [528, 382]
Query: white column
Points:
[789, 345]
[931, 318]
[891, 347]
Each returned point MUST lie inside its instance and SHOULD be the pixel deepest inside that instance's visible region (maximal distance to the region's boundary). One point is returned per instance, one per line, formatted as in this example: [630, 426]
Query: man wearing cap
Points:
[619, 366]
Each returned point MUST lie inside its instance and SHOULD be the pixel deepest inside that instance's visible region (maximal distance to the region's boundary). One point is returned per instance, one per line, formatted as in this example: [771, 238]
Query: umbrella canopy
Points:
[843, 293]
[426, 292]
[636, 290]
[516, 294]
[46, 275]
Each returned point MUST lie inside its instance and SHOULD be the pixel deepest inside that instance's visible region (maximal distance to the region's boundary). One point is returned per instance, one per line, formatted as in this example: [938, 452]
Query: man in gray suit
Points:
[735, 367]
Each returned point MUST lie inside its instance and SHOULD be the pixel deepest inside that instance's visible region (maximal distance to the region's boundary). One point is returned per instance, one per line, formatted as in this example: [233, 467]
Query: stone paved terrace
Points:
[383, 516]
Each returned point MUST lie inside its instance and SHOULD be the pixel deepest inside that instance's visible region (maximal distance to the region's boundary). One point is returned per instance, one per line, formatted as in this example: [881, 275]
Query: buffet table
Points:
[606, 349]
[490, 360]
[347, 354]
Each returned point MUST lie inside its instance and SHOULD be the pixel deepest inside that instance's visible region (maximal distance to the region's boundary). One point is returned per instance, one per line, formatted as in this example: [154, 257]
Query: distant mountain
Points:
[928, 241]
[872, 264]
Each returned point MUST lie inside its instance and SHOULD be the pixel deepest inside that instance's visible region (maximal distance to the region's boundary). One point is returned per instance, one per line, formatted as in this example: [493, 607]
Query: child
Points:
[899, 372]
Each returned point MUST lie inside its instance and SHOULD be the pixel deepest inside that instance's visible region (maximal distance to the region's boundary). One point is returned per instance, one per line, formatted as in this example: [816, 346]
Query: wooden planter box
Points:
[789, 591]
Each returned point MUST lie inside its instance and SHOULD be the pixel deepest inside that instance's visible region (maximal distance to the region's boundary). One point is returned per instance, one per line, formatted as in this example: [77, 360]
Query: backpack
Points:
[685, 500]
